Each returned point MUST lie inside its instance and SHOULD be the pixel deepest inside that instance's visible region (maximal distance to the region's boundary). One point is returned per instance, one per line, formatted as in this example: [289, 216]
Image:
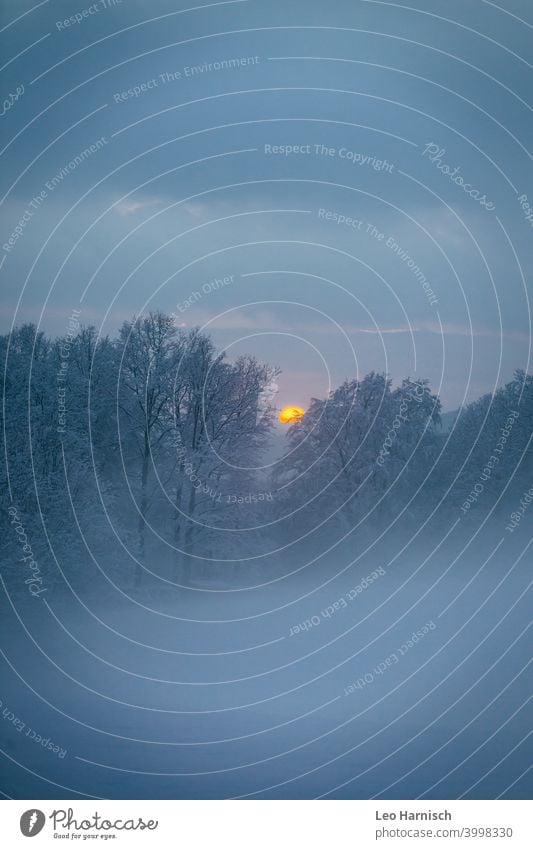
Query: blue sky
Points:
[182, 191]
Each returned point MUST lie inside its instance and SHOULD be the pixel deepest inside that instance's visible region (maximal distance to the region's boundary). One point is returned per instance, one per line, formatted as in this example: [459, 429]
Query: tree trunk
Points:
[143, 509]
[189, 536]
[177, 527]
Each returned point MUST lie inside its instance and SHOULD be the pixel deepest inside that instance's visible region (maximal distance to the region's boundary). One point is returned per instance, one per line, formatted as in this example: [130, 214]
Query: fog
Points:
[415, 685]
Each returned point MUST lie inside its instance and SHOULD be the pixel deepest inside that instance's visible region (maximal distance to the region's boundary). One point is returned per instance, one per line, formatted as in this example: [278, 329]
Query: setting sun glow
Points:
[289, 415]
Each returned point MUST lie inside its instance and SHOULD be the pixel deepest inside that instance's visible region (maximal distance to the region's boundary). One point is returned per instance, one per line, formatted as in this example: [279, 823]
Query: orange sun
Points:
[289, 415]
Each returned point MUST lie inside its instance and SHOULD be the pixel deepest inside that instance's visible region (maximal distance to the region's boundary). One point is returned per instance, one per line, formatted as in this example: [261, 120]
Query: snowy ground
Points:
[229, 704]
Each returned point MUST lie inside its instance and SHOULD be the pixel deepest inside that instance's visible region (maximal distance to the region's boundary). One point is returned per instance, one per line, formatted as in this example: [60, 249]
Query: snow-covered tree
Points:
[148, 354]
[351, 448]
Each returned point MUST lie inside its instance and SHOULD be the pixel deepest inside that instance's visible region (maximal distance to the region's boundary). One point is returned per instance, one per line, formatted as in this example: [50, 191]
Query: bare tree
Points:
[218, 436]
[148, 356]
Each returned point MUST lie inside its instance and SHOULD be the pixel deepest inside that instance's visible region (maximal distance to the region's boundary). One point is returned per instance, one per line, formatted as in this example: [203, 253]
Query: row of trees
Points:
[188, 428]
[489, 456]
[138, 453]
[364, 442]
[373, 452]
[105, 439]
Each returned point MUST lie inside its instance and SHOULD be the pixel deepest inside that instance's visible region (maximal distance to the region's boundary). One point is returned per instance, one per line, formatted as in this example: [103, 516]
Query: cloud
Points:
[128, 207]
[261, 320]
